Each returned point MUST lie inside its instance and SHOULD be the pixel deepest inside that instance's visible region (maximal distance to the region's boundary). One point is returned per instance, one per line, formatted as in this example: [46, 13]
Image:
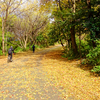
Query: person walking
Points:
[10, 51]
[33, 48]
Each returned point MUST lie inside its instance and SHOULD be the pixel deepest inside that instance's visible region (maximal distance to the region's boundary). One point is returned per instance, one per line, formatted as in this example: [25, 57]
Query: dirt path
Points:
[45, 75]
[24, 79]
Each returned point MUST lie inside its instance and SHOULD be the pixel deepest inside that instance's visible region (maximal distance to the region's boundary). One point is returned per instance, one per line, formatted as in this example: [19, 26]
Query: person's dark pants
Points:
[33, 49]
[10, 54]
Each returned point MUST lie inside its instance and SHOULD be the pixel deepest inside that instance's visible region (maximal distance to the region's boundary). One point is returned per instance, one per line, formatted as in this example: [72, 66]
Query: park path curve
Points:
[24, 78]
[45, 75]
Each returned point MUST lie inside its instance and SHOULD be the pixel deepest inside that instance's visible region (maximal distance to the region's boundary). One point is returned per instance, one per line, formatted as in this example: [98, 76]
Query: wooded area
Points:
[75, 23]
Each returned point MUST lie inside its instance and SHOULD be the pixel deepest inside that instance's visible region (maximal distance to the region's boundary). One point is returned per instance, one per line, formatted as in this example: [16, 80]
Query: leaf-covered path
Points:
[44, 75]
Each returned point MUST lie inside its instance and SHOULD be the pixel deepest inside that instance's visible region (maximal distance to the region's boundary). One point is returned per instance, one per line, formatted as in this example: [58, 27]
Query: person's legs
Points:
[33, 49]
[11, 56]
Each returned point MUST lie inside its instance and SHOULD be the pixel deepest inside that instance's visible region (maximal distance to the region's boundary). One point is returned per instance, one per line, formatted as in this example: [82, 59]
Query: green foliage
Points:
[25, 49]
[36, 47]
[18, 49]
[96, 69]
[42, 40]
[68, 53]
[1, 52]
[84, 47]
[53, 35]
[83, 61]
[93, 57]
[93, 26]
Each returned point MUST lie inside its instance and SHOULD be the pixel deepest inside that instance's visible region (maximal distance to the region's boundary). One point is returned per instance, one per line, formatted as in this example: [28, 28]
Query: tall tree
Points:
[74, 46]
[8, 7]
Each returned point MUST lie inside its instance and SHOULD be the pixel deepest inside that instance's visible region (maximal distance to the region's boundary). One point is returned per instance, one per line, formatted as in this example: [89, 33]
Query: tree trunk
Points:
[60, 5]
[89, 8]
[62, 43]
[73, 6]
[79, 0]
[6, 41]
[89, 4]
[3, 32]
[25, 44]
[69, 2]
[74, 46]
[80, 45]
[69, 43]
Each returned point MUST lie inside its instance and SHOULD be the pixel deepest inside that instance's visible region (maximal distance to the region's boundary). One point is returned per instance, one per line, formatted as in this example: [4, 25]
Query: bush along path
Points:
[45, 75]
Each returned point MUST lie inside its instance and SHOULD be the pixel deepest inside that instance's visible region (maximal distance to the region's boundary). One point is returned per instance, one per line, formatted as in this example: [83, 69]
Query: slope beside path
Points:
[77, 81]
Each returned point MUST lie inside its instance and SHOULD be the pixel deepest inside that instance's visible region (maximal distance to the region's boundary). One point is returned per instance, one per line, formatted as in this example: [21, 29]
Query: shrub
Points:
[93, 57]
[1, 52]
[68, 53]
[96, 69]
[84, 47]
[84, 61]
[18, 49]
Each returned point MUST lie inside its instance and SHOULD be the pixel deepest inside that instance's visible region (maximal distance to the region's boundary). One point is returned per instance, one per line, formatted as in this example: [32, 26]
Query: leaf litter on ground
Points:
[71, 80]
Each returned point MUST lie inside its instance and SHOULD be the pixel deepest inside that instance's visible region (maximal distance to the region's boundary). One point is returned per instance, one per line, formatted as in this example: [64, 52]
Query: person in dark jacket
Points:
[33, 48]
[10, 51]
